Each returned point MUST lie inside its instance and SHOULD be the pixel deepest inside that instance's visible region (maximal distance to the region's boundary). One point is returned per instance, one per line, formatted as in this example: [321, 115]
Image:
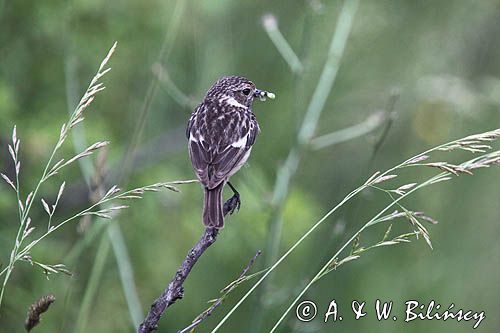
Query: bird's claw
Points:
[232, 204]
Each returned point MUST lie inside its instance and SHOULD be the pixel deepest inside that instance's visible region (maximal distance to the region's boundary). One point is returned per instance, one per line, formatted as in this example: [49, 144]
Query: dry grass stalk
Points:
[36, 309]
[483, 161]
[20, 250]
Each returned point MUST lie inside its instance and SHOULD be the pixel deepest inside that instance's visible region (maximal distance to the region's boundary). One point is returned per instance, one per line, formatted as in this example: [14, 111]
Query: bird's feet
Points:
[232, 204]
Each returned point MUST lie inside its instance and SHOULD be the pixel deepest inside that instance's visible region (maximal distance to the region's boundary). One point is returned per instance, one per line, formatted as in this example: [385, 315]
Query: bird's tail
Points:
[213, 216]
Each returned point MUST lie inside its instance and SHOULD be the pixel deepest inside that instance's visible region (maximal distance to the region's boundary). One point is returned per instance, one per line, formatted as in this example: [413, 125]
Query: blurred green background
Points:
[443, 57]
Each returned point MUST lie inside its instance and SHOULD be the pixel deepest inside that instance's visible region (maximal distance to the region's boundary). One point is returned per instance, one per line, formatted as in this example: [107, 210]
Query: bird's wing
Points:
[191, 121]
[234, 148]
[226, 164]
[216, 155]
[198, 147]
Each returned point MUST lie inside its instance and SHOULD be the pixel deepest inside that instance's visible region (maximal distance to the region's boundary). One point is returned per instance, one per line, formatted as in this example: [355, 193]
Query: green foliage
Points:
[168, 54]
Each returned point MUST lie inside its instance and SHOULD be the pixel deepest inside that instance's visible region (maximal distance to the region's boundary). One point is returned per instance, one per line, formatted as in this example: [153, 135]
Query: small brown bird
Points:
[221, 132]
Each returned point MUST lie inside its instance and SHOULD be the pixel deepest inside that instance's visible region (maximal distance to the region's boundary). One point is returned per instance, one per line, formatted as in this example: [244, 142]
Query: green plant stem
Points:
[23, 216]
[18, 196]
[166, 49]
[113, 229]
[126, 273]
[286, 254]
[374, 220]
[20, 254]
[28, 247]
[317, 224]
[87, 98]
[10, 267]
[87, 239]
[309, 124]
[92, 285]
[329, 73]
[387, 115]
[352, 132]
[125, 267]
[287, 171]
[171, 88]
[83, 212]
[271, 26]
[342, 248]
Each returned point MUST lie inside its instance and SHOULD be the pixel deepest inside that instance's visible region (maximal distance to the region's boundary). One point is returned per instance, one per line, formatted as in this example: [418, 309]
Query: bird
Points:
[221, 132]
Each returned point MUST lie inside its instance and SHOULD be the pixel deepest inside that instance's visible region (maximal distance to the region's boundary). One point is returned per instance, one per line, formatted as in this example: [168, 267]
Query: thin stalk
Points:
[171, 88]
[87, 211]
[321, 221]
[15, 248]
[23, 216]
[89, 236]
[352, 132]
[270, 24]
[329, 73]
[342, 248]
[388, 115]
[125, 269]
[113, 229]
[92, 285]
[309, 124]
[286, 254]
[87, 98]
[307, 129]
[166, 48]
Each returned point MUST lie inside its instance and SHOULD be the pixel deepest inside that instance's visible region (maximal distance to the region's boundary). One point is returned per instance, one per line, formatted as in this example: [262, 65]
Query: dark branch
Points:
[175, 289]
[219, 301]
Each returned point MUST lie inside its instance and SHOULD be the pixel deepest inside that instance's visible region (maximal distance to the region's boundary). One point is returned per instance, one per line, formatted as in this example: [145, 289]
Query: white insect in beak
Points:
[262, 94]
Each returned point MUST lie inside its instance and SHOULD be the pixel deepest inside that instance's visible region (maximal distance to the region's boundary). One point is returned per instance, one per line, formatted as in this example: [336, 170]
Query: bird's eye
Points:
[246, 91]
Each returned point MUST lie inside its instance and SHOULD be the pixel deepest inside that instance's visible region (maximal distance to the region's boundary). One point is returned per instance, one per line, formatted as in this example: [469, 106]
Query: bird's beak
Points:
[262, 94]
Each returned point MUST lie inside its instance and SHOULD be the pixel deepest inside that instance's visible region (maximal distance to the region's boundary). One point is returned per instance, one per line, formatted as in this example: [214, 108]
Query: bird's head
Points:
[236, 91]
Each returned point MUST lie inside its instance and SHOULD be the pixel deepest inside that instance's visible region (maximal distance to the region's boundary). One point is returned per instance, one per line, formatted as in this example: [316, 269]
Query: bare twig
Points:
[207, 313]
[175, 289]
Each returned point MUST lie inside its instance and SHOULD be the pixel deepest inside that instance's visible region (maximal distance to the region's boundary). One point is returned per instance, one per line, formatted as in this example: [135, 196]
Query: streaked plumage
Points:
[221, 132]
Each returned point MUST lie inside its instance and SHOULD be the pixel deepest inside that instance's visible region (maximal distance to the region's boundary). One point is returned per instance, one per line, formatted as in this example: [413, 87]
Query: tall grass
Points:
[95, 177]
[478, 143]
[104, 207]
[51, 169]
